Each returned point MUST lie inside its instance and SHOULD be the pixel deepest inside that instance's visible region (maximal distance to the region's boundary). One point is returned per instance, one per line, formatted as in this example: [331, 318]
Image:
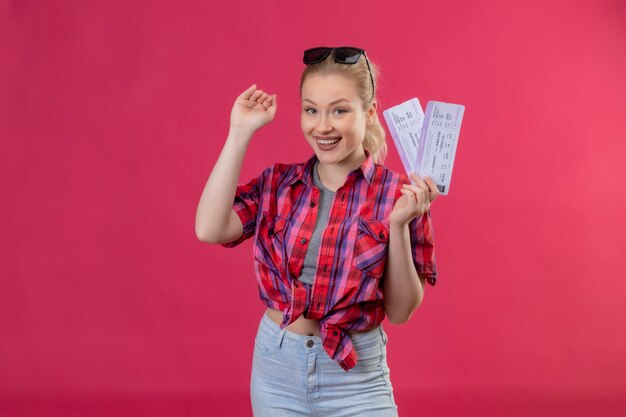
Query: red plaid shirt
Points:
[279, 207]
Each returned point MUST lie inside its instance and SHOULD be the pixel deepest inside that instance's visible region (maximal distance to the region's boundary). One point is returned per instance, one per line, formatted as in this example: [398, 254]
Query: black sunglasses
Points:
[343, 55]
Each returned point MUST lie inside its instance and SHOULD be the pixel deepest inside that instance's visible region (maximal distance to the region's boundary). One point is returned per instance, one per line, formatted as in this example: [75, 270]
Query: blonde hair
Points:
[374, 140]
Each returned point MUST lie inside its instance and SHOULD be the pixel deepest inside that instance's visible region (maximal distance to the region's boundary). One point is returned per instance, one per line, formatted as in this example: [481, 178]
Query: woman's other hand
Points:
[415, 201]
[252, 110]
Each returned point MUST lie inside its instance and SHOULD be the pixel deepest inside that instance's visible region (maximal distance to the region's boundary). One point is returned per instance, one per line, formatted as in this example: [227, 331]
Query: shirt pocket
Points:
[269, 246]
[370, 248]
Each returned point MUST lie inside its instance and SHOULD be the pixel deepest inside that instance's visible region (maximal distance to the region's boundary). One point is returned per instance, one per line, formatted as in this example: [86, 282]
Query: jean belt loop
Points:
[279, 339]
[383, 334]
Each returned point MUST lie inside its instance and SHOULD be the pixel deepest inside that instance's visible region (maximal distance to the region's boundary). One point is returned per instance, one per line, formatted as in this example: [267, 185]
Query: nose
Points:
[324, 125]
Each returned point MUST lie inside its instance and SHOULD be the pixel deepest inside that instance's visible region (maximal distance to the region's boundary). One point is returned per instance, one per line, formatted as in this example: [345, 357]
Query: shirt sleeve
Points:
[423, 247]
[246, 204]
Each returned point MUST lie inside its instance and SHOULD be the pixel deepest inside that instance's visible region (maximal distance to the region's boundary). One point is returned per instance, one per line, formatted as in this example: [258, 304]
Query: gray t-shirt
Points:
[326, 199]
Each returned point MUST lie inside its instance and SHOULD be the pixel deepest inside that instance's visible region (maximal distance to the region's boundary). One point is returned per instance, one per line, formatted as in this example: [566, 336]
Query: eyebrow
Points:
[334, 102]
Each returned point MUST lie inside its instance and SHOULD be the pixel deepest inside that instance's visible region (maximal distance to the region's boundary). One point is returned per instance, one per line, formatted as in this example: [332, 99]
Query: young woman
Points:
[340, 242]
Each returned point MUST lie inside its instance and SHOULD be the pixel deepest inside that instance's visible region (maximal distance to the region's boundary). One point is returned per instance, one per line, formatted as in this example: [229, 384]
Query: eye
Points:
[309, 110]
[339, 110]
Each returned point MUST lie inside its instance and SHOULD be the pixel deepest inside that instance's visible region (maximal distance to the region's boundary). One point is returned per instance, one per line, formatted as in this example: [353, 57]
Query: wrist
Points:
[240, 135]
[398, 227]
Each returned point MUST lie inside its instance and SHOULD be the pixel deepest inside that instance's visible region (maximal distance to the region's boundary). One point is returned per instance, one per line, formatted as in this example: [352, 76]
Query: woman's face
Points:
[333, 120]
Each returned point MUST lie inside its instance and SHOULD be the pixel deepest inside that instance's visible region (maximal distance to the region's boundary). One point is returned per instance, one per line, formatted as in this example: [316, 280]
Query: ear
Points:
[371, 112]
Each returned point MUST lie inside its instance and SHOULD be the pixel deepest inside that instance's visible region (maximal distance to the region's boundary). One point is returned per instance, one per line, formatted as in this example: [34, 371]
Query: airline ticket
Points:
[436, 132]
[405, 124]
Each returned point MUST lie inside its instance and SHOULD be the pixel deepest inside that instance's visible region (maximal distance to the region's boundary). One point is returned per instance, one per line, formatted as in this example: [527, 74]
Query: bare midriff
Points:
[302, 325]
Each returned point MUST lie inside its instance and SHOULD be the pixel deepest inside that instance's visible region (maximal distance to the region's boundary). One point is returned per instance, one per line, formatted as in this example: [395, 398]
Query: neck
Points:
[335, 174]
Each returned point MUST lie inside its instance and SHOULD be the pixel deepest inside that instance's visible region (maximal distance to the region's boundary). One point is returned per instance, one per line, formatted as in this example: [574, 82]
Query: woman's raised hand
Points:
[253, 109]
[415, 201]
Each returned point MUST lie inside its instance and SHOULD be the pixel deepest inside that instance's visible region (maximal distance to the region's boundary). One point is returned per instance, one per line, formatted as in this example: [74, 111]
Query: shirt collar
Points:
[304, 172]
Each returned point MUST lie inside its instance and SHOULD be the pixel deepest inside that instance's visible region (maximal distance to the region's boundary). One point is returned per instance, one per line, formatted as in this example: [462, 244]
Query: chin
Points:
[327, 159]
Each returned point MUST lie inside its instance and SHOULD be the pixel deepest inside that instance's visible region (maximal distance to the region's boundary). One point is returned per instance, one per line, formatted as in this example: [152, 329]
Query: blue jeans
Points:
[292, 375]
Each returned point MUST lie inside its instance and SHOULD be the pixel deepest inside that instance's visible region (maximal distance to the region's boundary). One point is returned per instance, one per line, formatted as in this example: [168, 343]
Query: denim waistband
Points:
[359, 340]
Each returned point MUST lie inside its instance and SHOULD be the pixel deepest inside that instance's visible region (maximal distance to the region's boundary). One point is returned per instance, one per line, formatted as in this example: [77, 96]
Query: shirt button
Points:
[335, 333]
[312, 203]
[309, 343]
[381, 235]
[303, 241]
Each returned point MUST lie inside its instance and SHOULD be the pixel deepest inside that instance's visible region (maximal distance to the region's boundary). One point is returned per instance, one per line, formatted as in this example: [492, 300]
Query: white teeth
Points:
[327, 142]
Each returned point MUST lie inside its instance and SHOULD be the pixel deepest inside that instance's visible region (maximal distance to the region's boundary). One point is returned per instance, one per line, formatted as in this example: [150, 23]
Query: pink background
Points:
[113, 113]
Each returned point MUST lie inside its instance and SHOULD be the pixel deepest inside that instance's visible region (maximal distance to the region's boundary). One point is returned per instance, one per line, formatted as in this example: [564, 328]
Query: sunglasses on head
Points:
[343, 55]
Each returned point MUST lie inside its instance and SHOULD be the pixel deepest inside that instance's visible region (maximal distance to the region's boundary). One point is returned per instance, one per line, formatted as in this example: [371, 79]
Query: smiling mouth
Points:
[327, 141]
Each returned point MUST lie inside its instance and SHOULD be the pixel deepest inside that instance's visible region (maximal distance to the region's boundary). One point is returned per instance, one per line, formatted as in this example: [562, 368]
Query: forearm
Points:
[216, 202]
[403, 288]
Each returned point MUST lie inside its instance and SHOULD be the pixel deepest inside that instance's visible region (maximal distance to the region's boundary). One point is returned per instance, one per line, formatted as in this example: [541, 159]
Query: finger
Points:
[420, 193]
[420, 182]
[416, 200]
[259, 101]
[410, 195]
[256, 95]
[269, 101]
[248, 97]
[263, 100]
[257, 105]
[434, 191]
[246, 94]
[273, 106]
